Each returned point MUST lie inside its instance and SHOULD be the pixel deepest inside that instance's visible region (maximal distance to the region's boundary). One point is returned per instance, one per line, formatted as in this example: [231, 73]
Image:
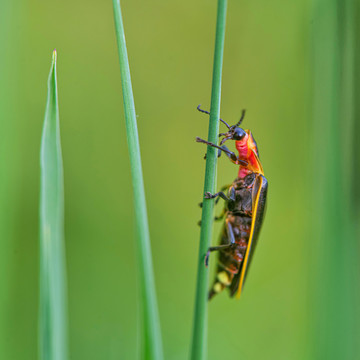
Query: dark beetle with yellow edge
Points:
[243, 212]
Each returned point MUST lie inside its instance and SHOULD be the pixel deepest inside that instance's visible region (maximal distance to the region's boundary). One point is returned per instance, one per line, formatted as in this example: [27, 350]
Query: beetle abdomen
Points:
[230, 259]
[239, 215]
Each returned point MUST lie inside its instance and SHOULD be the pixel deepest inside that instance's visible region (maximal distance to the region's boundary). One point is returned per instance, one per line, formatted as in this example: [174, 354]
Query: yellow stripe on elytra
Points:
[243, 270]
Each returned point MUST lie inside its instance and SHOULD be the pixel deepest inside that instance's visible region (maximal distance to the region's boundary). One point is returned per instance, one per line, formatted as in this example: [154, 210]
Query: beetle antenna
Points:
[201, 110]
[241, 118]
[207, 112]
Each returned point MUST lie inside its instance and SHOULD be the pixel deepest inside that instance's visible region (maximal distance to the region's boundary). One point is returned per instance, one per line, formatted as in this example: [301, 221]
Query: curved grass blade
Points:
[198, 350]
[53, 304]
[151, 335]
[335, 268]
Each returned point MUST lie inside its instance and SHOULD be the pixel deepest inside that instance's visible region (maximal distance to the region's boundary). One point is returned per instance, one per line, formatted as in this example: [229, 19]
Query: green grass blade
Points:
[151, 336]
[335, 246]
[199, 339]
[53, 304]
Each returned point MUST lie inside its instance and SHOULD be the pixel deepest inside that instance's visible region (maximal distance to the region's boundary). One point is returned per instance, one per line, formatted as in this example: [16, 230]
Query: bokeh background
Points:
[267, 70]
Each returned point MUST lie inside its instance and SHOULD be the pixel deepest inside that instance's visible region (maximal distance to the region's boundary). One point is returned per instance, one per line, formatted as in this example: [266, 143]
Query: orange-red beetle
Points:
[243, 212]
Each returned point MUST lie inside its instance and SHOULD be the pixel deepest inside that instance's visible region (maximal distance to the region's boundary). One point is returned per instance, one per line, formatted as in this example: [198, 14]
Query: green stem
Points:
[335, 248]
[151, 337]
[199, 338]
[53, 304]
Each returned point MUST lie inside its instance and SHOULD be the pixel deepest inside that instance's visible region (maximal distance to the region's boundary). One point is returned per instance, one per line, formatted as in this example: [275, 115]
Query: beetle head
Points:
[235, 132]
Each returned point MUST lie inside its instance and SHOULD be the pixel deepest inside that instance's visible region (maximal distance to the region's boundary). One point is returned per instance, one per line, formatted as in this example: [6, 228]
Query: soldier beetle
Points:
[243, 212]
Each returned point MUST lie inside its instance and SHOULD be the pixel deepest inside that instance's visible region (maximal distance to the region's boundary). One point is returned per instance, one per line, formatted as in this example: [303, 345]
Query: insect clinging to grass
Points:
[243, 211]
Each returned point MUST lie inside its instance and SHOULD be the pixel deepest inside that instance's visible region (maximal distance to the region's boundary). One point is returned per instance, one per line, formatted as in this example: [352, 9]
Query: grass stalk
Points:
[53, 297]
[151, 335]
[199, 338]
[336, 254]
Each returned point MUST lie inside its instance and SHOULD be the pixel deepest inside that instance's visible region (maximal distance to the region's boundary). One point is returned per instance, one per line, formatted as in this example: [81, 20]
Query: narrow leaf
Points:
[53, 304]
[334, 247]
[151, 336]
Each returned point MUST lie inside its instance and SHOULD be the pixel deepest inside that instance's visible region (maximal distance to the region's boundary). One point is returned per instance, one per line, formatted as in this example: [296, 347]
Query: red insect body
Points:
[244, 210]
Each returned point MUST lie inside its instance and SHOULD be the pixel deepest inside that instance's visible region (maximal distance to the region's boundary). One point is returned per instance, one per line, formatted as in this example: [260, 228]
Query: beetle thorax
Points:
[242, 148]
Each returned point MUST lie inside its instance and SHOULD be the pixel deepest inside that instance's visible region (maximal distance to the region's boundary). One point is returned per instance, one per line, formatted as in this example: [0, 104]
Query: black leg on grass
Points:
[231, 155]
[214, 248]
[222, 195]
[231, 238]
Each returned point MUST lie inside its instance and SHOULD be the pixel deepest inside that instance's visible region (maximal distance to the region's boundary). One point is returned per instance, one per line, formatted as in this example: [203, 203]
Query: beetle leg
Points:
[222, 195]
[231, 155]
[208, 195]
[231, 238]
[214, 248]
[230, 232]
[232, 198]
[216, 202]
[225, 187]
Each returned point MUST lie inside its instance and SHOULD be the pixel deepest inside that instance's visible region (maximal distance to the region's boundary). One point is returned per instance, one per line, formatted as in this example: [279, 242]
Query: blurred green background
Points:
[170, 46]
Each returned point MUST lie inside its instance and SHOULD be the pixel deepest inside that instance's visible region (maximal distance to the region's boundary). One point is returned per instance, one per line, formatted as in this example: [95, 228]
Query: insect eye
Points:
[239, 134]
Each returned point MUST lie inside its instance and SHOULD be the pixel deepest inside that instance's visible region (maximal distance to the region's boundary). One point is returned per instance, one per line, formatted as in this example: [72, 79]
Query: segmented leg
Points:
[231, 155]
[222, 195]
[223, 188]
[231, 238]
[223, 278]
